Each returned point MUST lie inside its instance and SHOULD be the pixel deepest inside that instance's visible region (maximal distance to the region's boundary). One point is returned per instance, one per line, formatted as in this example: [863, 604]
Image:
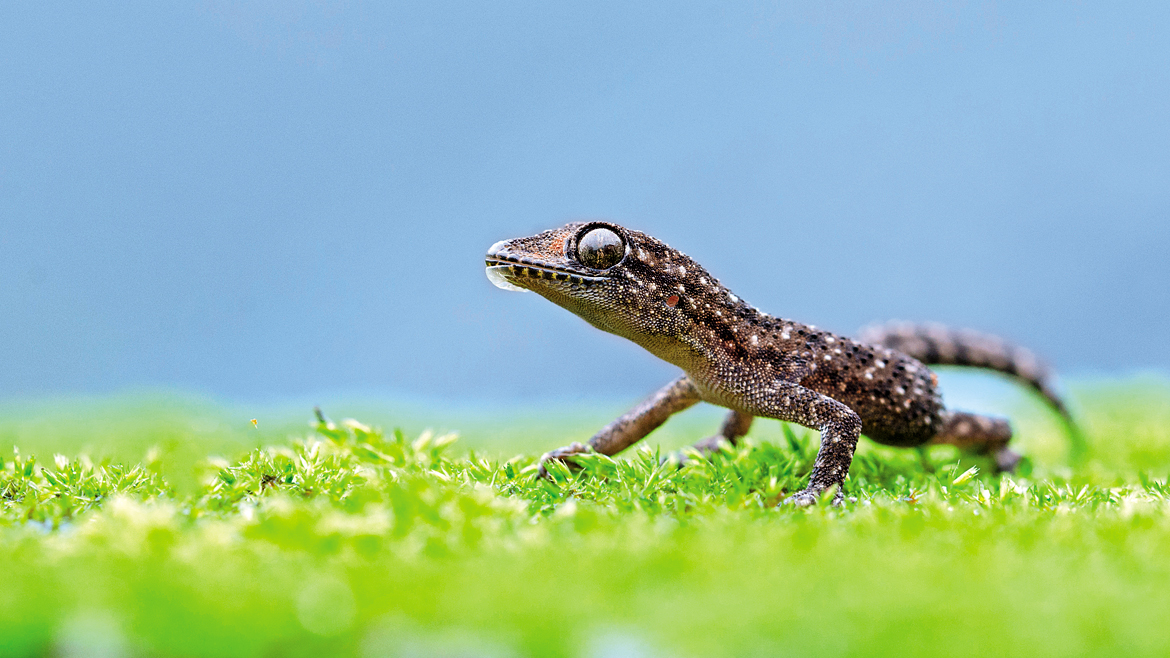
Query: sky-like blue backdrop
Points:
[260, 199]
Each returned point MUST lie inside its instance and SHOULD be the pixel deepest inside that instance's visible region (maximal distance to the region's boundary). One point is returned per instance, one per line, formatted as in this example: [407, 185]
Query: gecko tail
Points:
[937, 344]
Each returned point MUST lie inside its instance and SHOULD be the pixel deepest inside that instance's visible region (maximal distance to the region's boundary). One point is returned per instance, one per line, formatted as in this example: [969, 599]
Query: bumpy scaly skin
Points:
[736, 356]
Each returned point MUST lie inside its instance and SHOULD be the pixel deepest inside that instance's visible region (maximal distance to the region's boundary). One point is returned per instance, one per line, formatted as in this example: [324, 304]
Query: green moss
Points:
[351, 541]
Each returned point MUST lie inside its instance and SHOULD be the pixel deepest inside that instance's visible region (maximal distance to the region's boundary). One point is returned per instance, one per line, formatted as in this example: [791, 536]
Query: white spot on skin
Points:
[828, 357]
[733, 298]
[869, 375]
[900, 390]
[682, 270]
[880, 364]
[703, 280]
[830, 340]
[681, 288]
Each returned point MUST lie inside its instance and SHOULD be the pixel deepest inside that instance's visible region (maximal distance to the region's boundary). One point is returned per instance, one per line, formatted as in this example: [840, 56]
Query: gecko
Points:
[757, 365]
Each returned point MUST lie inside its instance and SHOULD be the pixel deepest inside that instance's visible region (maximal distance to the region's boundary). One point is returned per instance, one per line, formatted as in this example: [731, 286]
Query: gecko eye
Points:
[600, 249]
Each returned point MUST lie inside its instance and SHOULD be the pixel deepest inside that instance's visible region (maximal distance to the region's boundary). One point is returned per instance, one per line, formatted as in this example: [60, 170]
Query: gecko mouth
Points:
[501, 269]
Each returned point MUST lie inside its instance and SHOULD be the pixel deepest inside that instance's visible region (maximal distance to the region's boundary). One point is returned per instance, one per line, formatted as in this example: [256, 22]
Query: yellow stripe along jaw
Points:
[508, 271]
[496, 274]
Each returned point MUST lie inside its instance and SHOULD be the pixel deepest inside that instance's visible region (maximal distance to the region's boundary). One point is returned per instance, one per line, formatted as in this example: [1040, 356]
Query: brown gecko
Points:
[739, 357]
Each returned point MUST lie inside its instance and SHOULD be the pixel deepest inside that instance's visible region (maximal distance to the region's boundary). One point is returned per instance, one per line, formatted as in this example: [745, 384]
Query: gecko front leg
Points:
[633, 425]
[840, 427]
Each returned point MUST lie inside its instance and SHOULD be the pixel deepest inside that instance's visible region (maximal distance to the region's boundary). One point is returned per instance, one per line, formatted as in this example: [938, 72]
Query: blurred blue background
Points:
[266, 199]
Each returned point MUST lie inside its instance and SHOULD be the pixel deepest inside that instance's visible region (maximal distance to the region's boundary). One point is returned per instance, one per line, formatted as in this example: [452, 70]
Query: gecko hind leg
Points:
[734, 427]
[982, 435]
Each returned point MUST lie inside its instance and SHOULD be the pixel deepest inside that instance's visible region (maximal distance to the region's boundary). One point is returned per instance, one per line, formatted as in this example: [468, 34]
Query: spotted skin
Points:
[737, 356]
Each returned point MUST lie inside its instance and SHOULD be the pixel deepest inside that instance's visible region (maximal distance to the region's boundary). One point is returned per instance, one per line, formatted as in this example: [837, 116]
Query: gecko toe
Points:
[563, 455]
[803, 498]
[809, 497]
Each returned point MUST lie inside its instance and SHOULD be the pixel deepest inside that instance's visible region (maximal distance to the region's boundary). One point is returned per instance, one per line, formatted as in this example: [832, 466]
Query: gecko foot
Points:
[562, 455]
[807, 497]
[705, 448]
[1006, 460]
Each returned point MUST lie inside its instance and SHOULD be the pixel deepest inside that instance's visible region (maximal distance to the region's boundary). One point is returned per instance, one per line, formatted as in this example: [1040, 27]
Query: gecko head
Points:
[617, 279]
[572, 261]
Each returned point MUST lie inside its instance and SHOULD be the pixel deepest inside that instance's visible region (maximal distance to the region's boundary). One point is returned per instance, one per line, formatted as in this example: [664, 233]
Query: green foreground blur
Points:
[347, 540]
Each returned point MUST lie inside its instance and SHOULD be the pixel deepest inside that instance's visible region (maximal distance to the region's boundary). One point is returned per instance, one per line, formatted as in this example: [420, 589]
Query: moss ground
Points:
[159, 526]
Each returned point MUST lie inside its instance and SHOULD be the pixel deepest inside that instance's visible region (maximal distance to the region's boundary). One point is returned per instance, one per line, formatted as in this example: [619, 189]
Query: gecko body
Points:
[736, 356]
